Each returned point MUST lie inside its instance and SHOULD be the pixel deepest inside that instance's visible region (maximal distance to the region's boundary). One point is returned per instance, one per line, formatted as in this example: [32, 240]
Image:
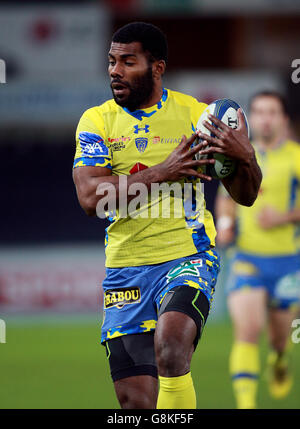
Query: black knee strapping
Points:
[190, 301]
[131, 355]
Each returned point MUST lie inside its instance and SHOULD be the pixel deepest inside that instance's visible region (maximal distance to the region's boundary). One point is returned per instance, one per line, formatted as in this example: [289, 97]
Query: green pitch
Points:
[60, 364]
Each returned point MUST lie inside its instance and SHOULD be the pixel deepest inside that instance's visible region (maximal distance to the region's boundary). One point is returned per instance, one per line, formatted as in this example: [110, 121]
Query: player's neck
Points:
[155, 98]
[266, 145]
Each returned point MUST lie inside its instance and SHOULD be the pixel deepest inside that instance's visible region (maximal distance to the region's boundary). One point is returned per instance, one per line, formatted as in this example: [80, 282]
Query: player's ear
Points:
[158, 68]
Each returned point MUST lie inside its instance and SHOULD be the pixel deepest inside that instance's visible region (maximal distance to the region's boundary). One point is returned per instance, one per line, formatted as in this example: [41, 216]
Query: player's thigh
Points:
[188, 295]
[247, 308]
[174, 343]
[133, 369]
[181, 319]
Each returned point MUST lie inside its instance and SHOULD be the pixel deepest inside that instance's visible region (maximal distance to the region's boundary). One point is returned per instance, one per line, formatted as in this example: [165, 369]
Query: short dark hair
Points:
[151, 38]
[271, 93]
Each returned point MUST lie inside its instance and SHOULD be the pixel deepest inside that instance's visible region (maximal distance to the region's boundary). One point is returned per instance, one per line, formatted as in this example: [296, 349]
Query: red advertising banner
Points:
[59, 278]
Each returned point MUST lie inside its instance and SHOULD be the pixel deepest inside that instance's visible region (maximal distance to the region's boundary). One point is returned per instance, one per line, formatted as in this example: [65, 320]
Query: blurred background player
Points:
[263, 284]
[166, 264]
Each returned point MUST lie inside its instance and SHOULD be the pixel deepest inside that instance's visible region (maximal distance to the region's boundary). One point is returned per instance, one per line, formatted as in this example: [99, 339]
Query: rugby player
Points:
[264, 282]
[160, 271]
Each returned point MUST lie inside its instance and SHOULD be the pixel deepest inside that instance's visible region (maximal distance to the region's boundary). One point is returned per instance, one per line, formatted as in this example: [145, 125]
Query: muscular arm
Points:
[91, 181]
[225, 206]
[293, 216]
[244, 184]
[88, 181]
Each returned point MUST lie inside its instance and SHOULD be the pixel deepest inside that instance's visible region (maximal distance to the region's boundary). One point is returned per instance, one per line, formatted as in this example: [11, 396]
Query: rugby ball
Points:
[225, 110]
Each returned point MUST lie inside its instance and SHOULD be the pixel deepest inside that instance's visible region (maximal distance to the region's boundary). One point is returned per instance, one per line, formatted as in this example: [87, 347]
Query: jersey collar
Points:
[149, 111]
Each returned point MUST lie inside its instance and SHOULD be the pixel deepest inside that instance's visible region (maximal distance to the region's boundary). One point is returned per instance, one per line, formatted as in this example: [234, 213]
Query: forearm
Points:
[115, 188]
[243, 185]
[225, 209]
[96, 185]
[225, 206]
[292, 216]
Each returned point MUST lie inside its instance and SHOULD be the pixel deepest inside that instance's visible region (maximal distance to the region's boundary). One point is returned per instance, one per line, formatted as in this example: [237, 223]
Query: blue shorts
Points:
[278, 275]
[133, 295]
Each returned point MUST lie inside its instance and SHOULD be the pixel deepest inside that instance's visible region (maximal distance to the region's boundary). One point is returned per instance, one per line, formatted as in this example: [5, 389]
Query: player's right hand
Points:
[181, 163]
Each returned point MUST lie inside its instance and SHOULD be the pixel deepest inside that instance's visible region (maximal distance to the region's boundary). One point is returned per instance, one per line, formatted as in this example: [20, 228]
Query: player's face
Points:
[131, 76]
[267, 118]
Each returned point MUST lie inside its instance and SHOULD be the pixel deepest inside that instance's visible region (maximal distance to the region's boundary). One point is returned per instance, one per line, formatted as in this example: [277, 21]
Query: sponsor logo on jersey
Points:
[166, 140]
[186, 268]
[197, 262]
[119, 139]
[92, 144]
[118, 143]
[121, 296]
[288, 287]
[137, 129]
[117, 146]
[141, 143]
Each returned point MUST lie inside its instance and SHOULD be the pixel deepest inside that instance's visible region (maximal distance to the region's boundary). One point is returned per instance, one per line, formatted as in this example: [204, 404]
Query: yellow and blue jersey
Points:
[126, 142]
[280, 189]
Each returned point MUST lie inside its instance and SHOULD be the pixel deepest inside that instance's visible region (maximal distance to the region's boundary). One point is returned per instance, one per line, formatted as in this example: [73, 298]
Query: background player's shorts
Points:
[279, 275]
[133, 295]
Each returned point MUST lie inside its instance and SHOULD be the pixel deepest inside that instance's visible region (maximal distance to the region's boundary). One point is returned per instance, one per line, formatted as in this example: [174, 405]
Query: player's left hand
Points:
[270, 218]
[233, 143]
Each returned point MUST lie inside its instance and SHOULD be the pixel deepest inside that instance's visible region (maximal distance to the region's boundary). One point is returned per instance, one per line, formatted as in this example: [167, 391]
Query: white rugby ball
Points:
[225, 110]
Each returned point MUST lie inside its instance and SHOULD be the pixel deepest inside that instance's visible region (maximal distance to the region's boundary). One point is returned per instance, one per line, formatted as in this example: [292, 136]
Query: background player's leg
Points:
[279, 329]
[247, 309]
[137, 392]
[174, 337]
